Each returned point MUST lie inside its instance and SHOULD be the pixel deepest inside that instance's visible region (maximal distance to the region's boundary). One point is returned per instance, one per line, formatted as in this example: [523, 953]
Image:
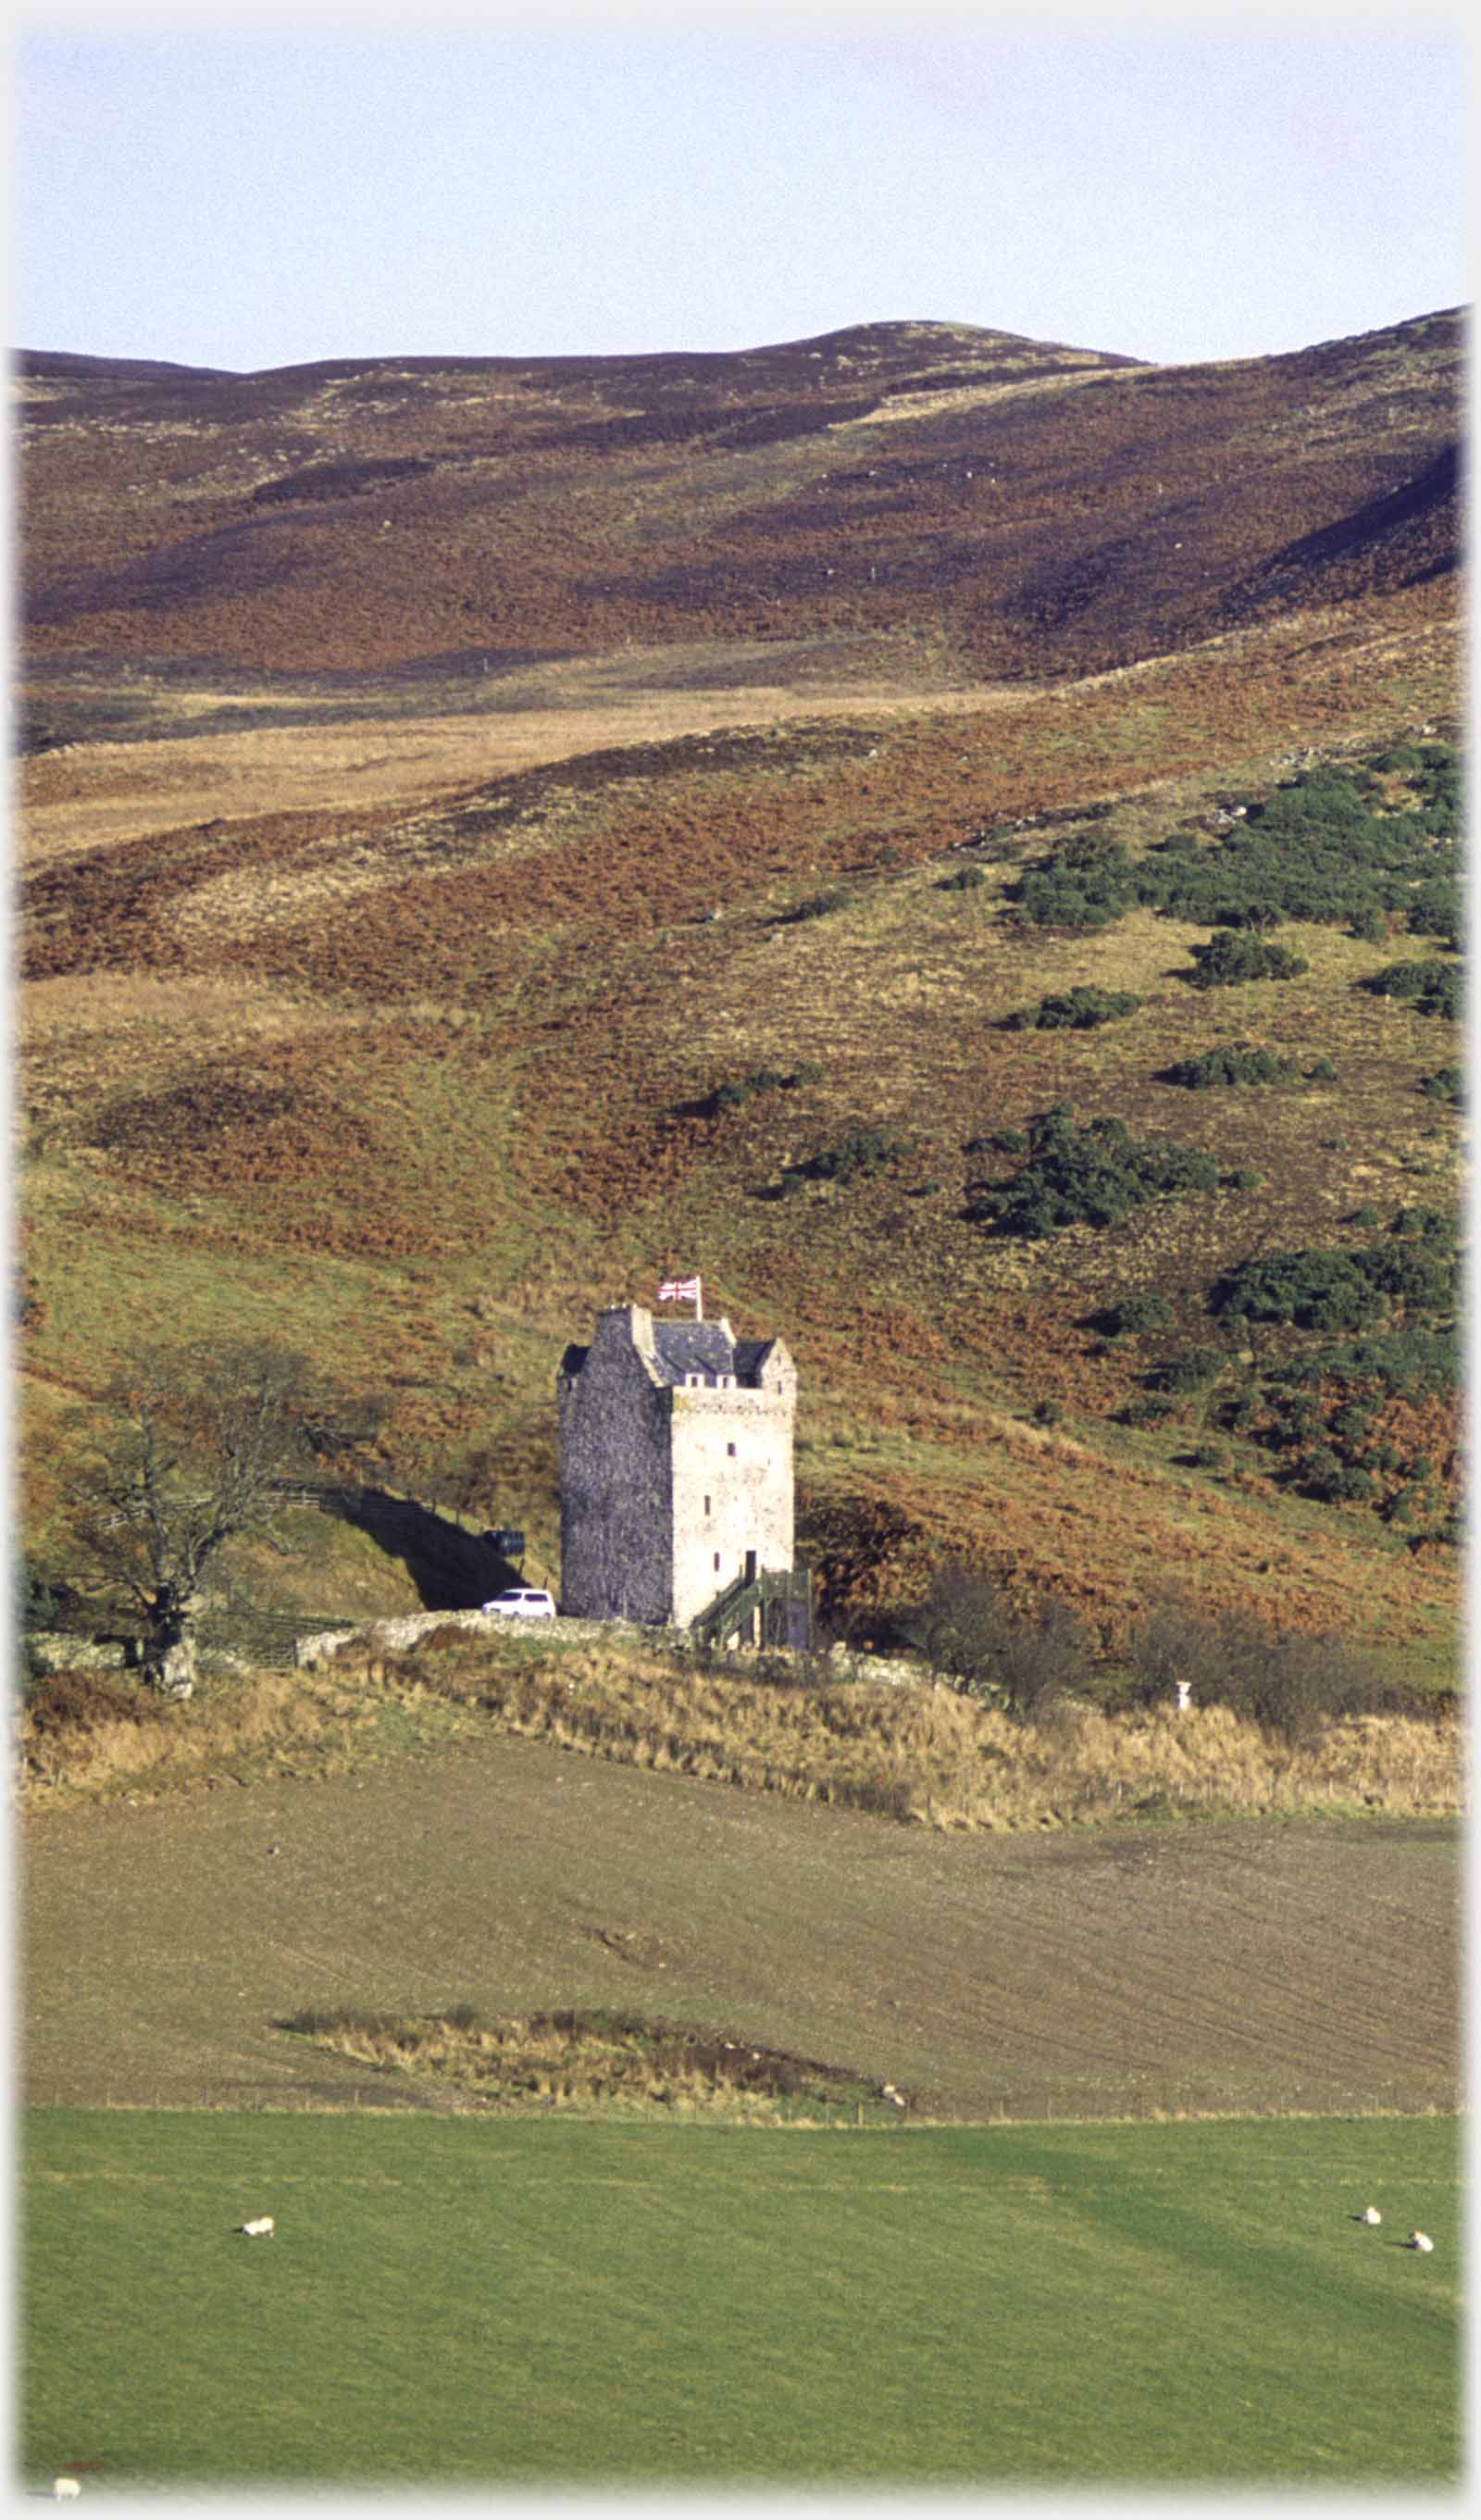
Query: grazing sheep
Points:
[1184, 1695]
[1370, 2214]
[1421, 2240]
[261, 2230]
[65, 2490]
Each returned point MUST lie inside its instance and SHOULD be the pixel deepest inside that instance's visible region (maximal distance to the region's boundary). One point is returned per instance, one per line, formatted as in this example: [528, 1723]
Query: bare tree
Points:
[198, 1449]
[1023, 1661]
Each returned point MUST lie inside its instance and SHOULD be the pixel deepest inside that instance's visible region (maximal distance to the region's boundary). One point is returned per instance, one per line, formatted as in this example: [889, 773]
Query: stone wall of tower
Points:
[668, 1491]
[616, 1490]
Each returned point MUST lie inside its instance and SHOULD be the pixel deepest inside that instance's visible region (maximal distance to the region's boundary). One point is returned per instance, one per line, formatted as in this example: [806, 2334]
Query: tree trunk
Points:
[169, 1643]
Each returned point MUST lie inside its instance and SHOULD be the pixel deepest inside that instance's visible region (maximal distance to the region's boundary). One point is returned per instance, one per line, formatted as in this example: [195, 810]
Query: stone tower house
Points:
[676, 1466]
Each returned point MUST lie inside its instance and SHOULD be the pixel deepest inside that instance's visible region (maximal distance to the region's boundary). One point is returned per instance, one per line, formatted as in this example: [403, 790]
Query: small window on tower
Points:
[730, 1448]
[706, 1505]
[717, 1561]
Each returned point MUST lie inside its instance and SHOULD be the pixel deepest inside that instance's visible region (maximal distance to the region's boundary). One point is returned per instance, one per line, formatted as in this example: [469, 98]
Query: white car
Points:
[522, 1605]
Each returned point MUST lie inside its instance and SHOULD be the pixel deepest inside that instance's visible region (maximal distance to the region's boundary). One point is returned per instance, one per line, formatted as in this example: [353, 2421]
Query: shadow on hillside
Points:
[453, 1569]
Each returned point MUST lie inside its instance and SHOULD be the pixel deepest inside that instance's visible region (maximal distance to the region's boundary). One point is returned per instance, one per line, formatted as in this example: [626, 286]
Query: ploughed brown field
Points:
[1225, 1967]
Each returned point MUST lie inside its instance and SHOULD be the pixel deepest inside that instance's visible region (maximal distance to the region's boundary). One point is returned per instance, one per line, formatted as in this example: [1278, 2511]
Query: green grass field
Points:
[449, 2301]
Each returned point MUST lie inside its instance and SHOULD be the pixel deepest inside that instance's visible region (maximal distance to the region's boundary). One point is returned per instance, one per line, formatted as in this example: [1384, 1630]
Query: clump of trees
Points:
[1025, 1661]
[1278, 1677]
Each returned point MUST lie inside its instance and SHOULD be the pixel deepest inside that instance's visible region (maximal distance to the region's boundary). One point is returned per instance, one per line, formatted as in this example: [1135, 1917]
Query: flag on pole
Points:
[678, 1291]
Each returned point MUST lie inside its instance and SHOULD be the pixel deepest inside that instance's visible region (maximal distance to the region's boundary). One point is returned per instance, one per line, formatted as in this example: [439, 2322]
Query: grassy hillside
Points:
[454, 994]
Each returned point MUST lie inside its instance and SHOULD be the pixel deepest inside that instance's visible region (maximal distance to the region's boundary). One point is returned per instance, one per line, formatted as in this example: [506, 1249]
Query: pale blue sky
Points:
[540, 181]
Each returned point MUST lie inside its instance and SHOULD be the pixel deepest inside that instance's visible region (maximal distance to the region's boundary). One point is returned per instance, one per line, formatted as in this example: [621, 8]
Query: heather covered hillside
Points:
[953, 838]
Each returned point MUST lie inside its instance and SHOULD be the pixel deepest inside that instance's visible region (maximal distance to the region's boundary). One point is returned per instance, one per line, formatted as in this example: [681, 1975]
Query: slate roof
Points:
[682, 1348]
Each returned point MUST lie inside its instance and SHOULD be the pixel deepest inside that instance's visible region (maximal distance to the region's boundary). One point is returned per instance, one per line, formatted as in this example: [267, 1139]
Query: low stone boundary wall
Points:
[388, 1636]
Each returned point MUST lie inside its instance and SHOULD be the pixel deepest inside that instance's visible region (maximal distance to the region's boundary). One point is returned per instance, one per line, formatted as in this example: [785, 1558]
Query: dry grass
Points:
[918, 1753]
[86, 1738]
[921, 1753]
[94, 795]
[603, 2060]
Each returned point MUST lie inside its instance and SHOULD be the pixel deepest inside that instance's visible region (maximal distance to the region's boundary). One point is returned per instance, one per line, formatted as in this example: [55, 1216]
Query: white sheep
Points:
[65, 2490]
[1370, 2214]
[1421, 2240]
[1183, 1697]
[261, 2230]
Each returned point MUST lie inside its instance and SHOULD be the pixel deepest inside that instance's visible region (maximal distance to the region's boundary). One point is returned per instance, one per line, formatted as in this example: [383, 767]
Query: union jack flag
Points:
[678, 1291]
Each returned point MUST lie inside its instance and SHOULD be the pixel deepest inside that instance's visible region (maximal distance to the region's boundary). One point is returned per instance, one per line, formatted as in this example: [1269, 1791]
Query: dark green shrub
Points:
[861, 1153]
[1331, 1482]
[1231, 1063]
[1085, 886]
[1322, 1072]
[1437, 910]
[1431, 988]
[1079, 1010]
[1447, 1085]
[965, 880]
[1095, 1176]
[1189, 1372]
[1352, 1420]
[1232, 956]
[1147, 1409]
[1415, 1362]
[819, 905]
[1138, 1313]
[1315, 1290]
[739, 1090]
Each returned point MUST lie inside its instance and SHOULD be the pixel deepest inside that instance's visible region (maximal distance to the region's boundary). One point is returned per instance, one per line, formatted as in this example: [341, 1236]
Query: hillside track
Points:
[1229, 1966]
